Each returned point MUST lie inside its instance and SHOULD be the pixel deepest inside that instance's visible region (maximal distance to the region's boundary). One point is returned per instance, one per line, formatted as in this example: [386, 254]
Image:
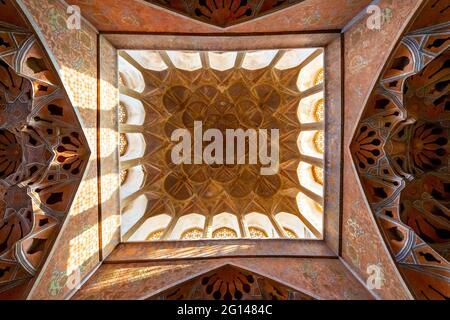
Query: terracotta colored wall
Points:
[181, 249]
[321, 278]
[366, 52]
[137, 16]
[75, 53]
[109, 157]
[333, 132]
[213, 42]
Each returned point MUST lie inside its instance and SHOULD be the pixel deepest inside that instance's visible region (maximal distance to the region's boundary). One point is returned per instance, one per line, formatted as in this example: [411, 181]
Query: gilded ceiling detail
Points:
[401, 151]
[237, 98]
[43, 154]
[224, 13]
[231, 283]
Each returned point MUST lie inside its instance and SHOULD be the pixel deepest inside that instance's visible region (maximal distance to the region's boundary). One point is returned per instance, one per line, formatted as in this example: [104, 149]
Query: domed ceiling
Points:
[166, 91]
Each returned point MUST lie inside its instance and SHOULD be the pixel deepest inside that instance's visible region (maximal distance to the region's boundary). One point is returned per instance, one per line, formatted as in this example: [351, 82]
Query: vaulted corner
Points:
[224, 13]
[235, 284]
[401, 153]
[43, 155]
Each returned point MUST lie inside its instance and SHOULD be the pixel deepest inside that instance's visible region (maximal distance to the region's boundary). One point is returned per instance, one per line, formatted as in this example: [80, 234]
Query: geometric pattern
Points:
[224, 13]
[231, 283]
[232, 99]
[43, 155]
[401, 152]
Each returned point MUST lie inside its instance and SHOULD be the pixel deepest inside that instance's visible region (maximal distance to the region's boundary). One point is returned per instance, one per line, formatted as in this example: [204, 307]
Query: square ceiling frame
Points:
[332, 44]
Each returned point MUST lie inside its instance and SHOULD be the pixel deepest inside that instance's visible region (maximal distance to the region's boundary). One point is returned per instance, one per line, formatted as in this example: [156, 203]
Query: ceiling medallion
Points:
[224, 13]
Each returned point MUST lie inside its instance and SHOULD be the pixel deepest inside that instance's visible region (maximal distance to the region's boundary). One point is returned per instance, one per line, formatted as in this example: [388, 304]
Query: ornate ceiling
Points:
[401, 152]
[231, 283]
[43, 155]
[239, 97]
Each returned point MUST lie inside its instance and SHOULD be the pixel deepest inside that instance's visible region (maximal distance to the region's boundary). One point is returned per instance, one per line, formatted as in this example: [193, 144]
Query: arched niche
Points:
[134, 180]
[260, 221]
[151, 225]
[309, 75]
[185, 60]
[292, 223]
[227, 220]
[293, 58]
[134, 110]
[306, 177]
[222, 61]
[309, 143]
[308, 108]
[311, 210]
[187, 222]
[150, 60]
[258, 59]
[136, 147]
[133, 212]
[131, 76]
